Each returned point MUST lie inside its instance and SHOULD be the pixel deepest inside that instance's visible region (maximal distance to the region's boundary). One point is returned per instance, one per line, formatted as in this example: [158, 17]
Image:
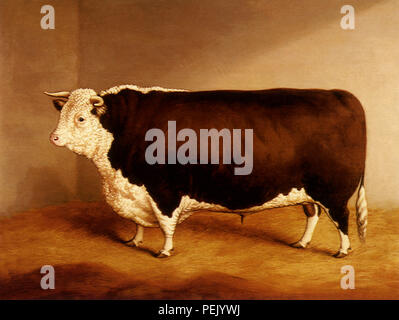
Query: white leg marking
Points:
[311, 223]
[167, 247]
[168, 226]
[138, 238]
[168, 244]
[345, 243]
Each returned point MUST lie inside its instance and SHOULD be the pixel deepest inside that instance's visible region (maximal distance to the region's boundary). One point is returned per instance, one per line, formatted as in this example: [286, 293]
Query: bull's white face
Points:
[78, 128]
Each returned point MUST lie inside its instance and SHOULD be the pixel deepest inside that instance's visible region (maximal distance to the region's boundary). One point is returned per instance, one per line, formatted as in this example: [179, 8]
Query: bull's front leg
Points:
[171, 207]
[168, 227]
[137, 240]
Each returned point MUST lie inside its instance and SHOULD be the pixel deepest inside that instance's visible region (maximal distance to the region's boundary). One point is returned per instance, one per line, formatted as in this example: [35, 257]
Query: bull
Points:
[309, 149]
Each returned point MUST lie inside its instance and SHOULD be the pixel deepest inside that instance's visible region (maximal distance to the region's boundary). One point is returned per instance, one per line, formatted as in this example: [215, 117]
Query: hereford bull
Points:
[309, 149]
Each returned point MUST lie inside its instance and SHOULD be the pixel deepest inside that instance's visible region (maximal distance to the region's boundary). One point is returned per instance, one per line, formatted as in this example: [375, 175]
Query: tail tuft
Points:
[361, 211]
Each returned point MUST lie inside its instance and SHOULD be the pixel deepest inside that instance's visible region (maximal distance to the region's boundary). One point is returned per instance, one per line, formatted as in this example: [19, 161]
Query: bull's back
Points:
[290, 126]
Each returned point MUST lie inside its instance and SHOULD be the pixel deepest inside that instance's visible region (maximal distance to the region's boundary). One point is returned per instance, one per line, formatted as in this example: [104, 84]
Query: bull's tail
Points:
[361, 211]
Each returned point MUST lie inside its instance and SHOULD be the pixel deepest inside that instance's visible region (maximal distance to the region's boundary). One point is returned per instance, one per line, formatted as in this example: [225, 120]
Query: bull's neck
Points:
[103, 165]
[100, 158]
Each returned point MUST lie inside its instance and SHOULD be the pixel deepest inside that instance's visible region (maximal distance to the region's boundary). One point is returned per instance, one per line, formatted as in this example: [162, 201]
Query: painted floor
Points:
[216, 257]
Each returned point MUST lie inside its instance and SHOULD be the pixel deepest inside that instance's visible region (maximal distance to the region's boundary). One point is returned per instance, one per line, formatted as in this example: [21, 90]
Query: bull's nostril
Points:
[55, 139]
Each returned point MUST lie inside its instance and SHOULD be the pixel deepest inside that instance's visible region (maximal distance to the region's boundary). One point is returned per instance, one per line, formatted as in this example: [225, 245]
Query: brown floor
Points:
[215, 257]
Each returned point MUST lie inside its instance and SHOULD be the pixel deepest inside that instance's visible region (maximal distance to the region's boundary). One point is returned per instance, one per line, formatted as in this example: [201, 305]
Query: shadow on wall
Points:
[40, 187]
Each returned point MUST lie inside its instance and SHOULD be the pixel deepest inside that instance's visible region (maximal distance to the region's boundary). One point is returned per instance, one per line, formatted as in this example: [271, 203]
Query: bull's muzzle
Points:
[55, 139]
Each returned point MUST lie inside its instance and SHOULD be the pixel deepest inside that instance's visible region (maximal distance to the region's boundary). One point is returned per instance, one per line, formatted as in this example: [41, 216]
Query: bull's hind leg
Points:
[312, 212]
[340, 217]
[137, 240]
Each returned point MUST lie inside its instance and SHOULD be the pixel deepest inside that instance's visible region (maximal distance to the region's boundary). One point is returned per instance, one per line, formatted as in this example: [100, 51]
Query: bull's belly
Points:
[134, 203]
[295, 197]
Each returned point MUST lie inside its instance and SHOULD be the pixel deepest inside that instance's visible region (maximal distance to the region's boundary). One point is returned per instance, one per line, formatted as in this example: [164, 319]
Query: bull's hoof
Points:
[133, 243]
[164, 254]
[340, 254]
[298, 245]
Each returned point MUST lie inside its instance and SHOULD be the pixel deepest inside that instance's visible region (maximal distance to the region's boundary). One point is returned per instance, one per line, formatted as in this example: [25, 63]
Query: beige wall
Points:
[32, 172]
[194, 45]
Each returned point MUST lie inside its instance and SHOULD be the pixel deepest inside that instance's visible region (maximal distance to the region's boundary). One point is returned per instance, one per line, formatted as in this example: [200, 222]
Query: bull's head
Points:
[79, 128]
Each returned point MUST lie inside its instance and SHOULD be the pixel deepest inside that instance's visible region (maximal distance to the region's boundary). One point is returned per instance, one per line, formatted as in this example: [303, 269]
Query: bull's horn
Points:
[61, 94]
[96, 101]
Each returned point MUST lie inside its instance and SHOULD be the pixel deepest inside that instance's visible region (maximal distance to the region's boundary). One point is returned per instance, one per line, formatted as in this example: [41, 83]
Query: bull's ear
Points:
[58, 104]
[98, 104]
[99, 111]
[61, 96]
